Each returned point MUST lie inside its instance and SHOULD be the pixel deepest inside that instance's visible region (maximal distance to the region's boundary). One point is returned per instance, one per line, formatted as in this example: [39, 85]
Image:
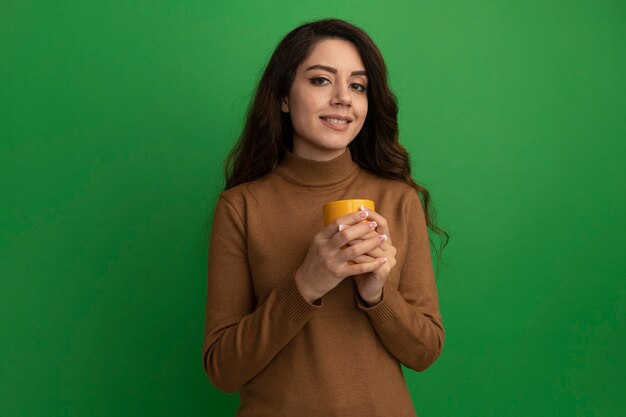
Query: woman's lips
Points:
[335, 124]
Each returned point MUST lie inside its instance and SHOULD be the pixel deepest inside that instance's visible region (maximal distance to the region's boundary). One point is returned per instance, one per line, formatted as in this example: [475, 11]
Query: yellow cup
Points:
[339, 208]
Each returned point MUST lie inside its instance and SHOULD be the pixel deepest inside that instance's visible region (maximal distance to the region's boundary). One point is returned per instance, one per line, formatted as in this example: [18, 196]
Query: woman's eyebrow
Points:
[334, 70]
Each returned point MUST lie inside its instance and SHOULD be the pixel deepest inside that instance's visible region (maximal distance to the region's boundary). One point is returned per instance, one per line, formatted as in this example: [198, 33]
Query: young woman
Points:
[304, 319]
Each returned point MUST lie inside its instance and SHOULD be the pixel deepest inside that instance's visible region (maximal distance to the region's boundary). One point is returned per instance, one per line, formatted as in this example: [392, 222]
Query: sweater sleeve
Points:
[241, 339]
[407, 319]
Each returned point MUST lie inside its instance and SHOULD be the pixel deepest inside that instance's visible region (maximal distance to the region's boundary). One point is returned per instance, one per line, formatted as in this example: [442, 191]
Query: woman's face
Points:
[328, 100]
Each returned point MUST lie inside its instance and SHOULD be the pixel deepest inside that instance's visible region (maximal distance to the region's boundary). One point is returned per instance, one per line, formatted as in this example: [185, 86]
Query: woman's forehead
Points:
[334, 54]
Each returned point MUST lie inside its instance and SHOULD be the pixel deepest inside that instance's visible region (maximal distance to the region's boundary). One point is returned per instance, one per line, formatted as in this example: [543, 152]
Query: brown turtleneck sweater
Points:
[339, 358]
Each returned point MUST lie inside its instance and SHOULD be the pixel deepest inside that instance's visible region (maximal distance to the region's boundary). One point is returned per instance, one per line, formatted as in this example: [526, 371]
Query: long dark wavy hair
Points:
[268, 132]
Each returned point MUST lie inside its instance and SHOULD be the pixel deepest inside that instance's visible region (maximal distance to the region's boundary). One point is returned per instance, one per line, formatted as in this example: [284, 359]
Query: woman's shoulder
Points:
[395, 186]
[237, 194]
[240, 194]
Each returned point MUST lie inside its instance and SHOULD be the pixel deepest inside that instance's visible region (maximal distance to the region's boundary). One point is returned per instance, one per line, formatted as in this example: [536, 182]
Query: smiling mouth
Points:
[338, 121]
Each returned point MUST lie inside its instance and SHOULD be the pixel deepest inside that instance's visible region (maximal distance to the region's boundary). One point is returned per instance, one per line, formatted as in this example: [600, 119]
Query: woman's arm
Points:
[240, 340]
[407, 319]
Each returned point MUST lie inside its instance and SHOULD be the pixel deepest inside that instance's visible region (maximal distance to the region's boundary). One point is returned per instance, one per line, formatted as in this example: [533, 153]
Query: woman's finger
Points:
[347, 234]
[363, 259]
[363, 268]
[383, 227]
[348, 220]
[369, 235]
[377, 253]
[351, 252]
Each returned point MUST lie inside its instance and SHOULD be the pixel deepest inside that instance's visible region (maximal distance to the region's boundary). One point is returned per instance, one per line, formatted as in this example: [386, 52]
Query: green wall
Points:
[115, 118]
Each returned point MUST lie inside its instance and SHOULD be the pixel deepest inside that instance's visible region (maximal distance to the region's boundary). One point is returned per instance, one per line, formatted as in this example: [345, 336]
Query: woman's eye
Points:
[359, 87]
[319, 80]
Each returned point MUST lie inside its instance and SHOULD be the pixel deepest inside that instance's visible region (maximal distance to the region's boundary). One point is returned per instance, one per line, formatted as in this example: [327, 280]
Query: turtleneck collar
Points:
[311, 173]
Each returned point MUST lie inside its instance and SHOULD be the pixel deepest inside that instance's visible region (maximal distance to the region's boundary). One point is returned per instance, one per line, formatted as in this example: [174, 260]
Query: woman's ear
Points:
[284, 105]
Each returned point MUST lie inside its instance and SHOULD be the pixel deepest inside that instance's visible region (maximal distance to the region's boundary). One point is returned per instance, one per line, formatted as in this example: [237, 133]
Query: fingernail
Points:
[373, 224]
[384, 261]
[341, 227]
[363, 208]
[363, 214]
[383, 238]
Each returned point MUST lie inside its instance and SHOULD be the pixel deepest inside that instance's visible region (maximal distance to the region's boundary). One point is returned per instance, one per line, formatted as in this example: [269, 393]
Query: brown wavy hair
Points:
[268, 132]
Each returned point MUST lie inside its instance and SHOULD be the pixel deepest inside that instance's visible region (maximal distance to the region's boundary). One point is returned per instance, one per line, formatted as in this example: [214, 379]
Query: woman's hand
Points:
[327, 262]
[370, 285]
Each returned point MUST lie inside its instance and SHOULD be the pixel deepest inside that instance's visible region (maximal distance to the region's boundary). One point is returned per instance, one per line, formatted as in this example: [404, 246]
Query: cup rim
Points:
[348, 200]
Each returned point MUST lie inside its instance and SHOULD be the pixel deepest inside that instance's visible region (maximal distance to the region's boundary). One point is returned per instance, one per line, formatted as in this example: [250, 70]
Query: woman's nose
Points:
[341, 95]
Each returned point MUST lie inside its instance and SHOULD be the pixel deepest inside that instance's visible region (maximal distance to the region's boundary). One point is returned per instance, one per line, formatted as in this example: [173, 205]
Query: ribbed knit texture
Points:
[338, 357]
[381, 312]
[292, 302]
